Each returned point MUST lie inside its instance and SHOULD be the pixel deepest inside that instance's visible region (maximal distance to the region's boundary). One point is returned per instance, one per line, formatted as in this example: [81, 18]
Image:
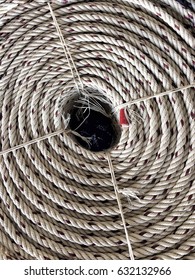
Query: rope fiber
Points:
[57, 199]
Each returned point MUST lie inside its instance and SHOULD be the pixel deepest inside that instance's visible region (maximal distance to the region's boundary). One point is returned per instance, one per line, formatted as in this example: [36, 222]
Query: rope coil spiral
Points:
[56, 198]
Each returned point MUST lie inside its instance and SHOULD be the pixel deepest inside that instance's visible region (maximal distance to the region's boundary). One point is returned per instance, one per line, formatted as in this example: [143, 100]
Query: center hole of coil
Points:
[93, 125]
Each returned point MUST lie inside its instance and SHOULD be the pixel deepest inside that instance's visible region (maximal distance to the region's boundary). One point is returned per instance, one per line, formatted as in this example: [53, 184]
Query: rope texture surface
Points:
[56, 199]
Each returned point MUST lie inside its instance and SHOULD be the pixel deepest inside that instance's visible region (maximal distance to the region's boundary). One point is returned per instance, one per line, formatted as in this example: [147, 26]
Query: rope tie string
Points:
[33, 141]
[146, 98]
[117, 193]
[67, 52]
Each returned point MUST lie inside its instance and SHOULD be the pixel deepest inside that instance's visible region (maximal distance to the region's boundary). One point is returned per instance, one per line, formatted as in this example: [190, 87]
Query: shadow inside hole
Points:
[98, 131]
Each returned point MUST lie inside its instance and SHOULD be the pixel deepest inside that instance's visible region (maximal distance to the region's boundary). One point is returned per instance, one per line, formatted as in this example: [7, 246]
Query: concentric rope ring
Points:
[57, 199]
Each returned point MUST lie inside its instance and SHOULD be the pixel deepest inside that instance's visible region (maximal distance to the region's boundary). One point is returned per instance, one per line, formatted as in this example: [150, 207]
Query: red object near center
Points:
[123, 119]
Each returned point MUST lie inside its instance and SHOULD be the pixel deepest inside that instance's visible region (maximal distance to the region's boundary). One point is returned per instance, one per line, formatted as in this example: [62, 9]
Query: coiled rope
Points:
[57, 199]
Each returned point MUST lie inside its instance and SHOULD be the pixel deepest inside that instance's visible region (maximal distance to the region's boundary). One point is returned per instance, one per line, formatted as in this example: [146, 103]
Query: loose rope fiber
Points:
[57, 199]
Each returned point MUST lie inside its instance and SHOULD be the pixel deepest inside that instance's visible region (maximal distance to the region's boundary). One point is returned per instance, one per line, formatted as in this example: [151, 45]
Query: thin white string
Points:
[117, 193]
[153, 96]
[25, 144]
[66, 51]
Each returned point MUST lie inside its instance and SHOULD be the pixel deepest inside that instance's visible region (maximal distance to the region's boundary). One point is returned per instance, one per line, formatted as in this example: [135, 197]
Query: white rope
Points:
[6, 8]
[60, 196]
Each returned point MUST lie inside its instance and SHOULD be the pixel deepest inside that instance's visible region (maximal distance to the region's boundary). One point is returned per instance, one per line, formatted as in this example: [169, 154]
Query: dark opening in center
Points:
[98, 131]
